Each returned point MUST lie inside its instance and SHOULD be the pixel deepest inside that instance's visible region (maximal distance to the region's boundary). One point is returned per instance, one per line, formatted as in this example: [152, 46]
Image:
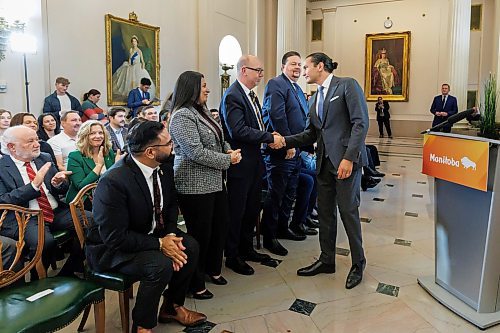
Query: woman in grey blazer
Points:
[201, 158]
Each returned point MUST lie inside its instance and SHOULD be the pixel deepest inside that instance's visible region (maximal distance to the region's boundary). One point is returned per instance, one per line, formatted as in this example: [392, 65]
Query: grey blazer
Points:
[200, 157]
[342, 133]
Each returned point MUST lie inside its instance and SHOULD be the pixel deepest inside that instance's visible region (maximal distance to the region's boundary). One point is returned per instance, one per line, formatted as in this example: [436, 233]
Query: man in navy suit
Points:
[443, 106]
[30, 179]
[244, 129]
[139, 96]
[284, 111]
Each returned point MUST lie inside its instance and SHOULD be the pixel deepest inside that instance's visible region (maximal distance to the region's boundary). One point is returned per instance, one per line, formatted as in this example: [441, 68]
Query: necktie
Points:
[157, 204]
[321, 101]
[444, 101]
[256, 104]
[43, 201]
[302, 98]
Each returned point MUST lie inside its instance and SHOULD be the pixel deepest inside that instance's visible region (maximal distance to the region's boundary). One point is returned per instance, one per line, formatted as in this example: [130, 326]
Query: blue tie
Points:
[321, 100]
[302, 98]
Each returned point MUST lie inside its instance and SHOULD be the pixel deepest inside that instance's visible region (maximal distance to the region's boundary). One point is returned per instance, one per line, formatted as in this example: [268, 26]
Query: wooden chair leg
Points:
[100, 317]
[257, 232]
[84, 319]
[124, 309]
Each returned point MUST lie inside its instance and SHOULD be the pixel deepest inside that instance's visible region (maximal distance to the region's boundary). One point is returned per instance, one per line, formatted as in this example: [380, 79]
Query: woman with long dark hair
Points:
[5, 117]
[90, 108]
[48, 126]
[201, 157]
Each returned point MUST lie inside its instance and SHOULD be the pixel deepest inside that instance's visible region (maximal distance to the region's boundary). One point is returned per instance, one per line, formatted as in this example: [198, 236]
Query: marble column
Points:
[460, 12]
[291, 28]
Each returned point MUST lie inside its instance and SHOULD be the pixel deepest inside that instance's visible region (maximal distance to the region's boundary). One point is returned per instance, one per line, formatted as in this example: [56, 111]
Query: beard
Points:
[162, 158]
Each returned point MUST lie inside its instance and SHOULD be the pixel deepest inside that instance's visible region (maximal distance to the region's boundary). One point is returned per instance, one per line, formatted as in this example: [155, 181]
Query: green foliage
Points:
[488, 114]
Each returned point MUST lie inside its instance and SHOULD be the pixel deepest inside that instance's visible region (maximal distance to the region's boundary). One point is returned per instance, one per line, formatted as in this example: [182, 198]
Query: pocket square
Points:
[334, 98]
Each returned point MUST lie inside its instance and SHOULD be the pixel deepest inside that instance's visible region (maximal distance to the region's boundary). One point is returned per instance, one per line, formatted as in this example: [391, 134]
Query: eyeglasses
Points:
[258, 70]
[163, 145]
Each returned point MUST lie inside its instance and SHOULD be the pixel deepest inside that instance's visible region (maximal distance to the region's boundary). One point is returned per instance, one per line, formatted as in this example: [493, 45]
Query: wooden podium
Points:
[467, 225]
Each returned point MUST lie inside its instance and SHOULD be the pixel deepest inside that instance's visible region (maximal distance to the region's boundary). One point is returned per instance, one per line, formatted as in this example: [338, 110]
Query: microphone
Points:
[451, 120]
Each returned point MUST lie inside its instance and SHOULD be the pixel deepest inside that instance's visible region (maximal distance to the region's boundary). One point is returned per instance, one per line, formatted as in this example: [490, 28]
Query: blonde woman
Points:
[92, 157]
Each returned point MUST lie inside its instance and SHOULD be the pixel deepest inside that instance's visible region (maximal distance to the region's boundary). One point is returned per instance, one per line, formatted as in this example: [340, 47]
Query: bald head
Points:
[250, 70]
[21, 142]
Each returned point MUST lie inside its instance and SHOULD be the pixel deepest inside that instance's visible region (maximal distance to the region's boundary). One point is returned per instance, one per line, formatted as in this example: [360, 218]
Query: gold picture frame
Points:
[387, 66]
[132, 52]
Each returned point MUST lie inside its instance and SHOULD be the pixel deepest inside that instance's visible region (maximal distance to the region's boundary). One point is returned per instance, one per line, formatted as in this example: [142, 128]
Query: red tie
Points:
[43, 201]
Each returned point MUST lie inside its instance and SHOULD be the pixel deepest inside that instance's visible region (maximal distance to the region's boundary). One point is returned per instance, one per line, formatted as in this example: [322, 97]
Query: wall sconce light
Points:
[6, 29]
[229, 53]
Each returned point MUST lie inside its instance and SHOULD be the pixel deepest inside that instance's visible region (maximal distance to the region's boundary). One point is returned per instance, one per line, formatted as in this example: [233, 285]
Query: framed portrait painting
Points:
[387, 66]
[132, 53]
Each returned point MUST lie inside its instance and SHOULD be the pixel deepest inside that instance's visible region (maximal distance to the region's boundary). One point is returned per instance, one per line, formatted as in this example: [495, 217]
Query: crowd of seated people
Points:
[147, 169]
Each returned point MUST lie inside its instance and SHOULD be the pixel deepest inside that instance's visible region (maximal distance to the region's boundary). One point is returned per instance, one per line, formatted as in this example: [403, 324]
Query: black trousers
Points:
[206, 217]
[244, 196]
[155, 271]
[384, 121]
[344, 193]
[282, 181]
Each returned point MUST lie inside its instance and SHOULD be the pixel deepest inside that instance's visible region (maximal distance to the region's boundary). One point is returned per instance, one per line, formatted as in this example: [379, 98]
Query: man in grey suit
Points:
[339, 123]
[117, 128]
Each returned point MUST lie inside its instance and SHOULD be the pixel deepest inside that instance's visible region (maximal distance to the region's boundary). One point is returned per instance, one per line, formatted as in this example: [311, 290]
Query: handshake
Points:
[279, 141]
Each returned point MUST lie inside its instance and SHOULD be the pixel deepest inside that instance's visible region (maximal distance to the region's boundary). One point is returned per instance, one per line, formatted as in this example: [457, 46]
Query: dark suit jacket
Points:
[451, 107]
[14, 191]
[385, 108]
[114, 140]
[52, 105]
[342, 133]
[123, 215]
[135, 99]
[241, 130]
[282, 111]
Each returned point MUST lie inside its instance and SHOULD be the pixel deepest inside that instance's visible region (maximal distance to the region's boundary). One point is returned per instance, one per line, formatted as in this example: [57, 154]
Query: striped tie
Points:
[43, 201]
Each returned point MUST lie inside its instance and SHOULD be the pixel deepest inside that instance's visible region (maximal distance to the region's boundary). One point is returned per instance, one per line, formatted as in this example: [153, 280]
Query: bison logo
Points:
[467, 163]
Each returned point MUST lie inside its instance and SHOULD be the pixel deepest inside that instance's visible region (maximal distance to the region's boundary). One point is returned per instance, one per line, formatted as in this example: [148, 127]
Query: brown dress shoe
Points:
[183, 316]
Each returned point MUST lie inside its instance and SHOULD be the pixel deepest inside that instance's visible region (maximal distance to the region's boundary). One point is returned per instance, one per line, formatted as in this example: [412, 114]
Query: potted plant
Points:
[487, 127]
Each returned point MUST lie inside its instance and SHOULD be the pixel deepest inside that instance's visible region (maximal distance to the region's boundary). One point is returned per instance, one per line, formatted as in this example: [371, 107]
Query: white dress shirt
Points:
[65, 103]
[148, 174]
[326, 86]
[255, 111]
[33, 204]
[62, 145]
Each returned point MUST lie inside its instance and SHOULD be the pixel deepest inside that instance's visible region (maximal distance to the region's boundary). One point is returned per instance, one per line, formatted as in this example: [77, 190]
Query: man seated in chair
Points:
[135, 229]
[28, 178]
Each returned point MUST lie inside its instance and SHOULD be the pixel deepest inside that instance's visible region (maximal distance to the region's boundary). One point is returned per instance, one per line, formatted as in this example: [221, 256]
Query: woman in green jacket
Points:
[93, 157]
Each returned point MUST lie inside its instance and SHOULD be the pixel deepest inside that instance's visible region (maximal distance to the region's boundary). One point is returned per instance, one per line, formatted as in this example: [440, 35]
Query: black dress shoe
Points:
[303, 230]
[255, 256]
[368, 182]
[220, 281]
[355, 275]
[275, 247]
[239, 266]
[289, 234]
[373, 172]
[316, 268]
[204, 295]
[311, 223]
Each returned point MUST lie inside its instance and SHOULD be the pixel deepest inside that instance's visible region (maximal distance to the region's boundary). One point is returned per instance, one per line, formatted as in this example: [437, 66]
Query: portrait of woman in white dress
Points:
[385, 75]
[128, 76]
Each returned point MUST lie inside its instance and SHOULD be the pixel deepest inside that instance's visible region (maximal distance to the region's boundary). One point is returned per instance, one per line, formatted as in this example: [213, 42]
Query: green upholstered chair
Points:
[109, 280]
[65, 299]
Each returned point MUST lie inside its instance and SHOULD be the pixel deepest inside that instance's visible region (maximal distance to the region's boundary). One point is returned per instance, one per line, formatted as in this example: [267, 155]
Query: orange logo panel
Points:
[456, 160]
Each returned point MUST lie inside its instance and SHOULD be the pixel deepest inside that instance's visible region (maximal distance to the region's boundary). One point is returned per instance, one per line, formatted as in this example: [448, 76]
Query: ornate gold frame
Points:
[405, 71]
[109, 75]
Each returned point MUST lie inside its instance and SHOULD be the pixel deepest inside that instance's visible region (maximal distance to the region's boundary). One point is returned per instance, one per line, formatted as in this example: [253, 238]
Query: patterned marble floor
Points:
[399, 243]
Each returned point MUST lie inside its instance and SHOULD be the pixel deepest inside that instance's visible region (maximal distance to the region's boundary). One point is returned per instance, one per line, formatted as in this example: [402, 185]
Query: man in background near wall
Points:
[139, 96]
[284, 111]
[61, 100]
[442, 107]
